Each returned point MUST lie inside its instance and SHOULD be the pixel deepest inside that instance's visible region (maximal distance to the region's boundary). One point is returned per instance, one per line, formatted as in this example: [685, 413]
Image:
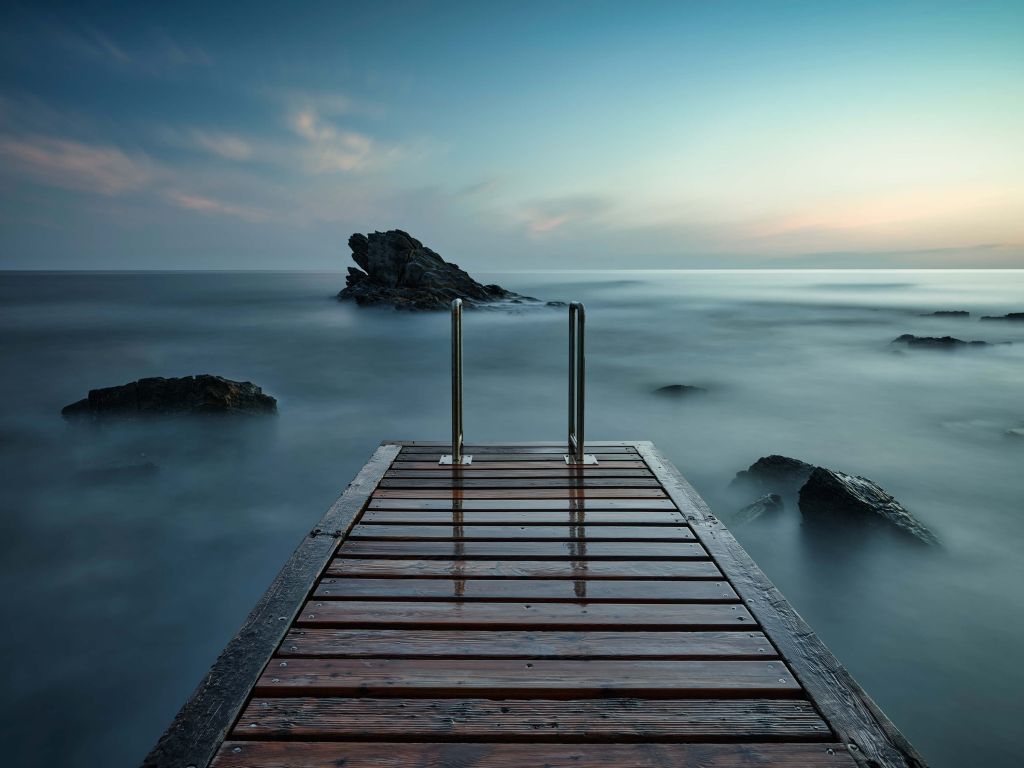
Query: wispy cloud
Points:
[331, 149]
[73, 165]
[542, 217]
[211, 205]
[224, 145]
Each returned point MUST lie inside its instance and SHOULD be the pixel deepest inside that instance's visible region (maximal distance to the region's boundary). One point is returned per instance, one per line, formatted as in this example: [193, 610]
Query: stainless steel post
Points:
[577, 386]
[456, 456]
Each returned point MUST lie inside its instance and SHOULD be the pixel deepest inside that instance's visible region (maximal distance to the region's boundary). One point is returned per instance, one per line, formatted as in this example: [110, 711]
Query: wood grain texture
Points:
[312, 754]
[521, 590]
[852, 714]
[555, 504]
[526, 569]
[425, 615]
[553, 464]
[523, 550]
[520, 493]
[590, 518]
[565, 532]
[524, 644]
[512, 678]
[524, 484]
[543, 720]
[483, 448]
[586, 471]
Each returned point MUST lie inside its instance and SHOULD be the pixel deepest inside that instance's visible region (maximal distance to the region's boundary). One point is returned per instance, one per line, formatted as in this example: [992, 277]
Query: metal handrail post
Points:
[577, 386]
[456, 456]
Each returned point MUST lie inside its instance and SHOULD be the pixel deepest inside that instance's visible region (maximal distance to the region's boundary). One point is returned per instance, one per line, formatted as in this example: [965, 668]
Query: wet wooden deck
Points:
[521, 612]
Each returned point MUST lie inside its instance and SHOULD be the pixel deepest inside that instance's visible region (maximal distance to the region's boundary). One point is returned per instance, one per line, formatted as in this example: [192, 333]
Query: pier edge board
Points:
[204, 721]
[847, 707]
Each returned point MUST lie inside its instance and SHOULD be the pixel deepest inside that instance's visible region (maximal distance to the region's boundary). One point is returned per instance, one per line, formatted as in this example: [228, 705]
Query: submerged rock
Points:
[830, 495]
[768, 504]
[397, 269]
[203, 394]
[948, 313]
[774, 473]
[679, 390]
[938, 342]
[1015, 316]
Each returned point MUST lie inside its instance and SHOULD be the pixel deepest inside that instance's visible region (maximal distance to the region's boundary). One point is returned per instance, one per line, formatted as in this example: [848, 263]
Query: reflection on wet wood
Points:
[525, 569]
[522, 550]
[499, 517]
[664, 533]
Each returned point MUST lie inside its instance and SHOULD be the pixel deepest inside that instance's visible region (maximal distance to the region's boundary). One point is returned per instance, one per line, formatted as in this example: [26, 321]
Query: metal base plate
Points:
[588, 458]
[447, 459]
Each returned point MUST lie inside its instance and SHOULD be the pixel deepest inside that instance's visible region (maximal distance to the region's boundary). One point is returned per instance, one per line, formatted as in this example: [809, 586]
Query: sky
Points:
[509, 136]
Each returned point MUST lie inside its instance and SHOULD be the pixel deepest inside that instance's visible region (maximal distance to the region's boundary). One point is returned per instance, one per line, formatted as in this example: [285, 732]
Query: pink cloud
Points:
[213, 206]
[73, 165]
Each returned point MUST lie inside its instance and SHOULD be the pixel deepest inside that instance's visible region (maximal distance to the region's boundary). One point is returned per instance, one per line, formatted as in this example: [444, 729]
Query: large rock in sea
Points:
[766, 505]
[397, 269]
[830, 495]
[203, 394]
[1013, 316]
[773, 473]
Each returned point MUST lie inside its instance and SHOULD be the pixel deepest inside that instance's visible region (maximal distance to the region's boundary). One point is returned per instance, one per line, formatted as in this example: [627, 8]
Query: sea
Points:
[119, 588]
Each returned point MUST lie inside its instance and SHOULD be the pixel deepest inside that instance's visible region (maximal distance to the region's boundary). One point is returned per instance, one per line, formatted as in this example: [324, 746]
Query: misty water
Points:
[119, 593]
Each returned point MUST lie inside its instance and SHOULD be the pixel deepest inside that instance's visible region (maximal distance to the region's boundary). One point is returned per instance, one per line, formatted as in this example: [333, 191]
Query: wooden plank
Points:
[554, 459]
[851, 712]
[586, 471]
[567, 531]
[326, 754]
[523, 517]
[514, 493]
[425, 615]
[557, 450]
[513, 678]
[488, 466]
[518, 590]
[526, 569]
[556, 505]
[204, 720]
[522, 550]
[511, 644]
[525, 484]
[543, 720]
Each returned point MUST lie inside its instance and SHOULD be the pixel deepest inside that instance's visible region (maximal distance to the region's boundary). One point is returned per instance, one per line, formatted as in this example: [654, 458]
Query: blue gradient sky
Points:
[518, 136]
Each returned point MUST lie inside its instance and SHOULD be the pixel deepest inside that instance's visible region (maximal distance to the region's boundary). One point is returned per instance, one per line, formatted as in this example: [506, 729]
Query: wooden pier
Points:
[520, 611]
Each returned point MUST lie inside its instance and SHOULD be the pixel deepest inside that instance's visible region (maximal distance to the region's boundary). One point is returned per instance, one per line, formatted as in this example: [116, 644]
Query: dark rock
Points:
[948, 313]
[204, 394]
[397, 269]
[774, 473]
[1015, 316]
[119, 473]
[938, 342]
[679, 390]
[829, 496]
[557, 304]
[769, 504]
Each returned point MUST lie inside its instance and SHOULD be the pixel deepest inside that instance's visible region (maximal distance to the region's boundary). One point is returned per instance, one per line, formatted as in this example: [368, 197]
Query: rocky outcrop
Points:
[1013, 316]
[938, 342]
[948, 313]
[398, 270]
[203, 394]
[679, 390]
[768, 504]
[829, 496]
[774, 473]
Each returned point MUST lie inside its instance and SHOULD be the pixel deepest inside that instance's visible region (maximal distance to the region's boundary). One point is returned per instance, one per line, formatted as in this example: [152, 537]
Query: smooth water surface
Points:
[118, 594]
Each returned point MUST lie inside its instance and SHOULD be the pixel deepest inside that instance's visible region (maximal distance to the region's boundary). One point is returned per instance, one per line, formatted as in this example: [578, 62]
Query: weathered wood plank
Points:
[522, 550]
[204, 720]
[425, 615]
[584, 471]
[488, 466]
[499, 517]
[518, 590]
[326, 754]
[526, 569]
[566, 532]
[511, 644]
[556, 450]
[513, 678]
[520, 493]
[588, 720]
[851, 712]
[555, 459]
[524, 484]
[579, 506]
